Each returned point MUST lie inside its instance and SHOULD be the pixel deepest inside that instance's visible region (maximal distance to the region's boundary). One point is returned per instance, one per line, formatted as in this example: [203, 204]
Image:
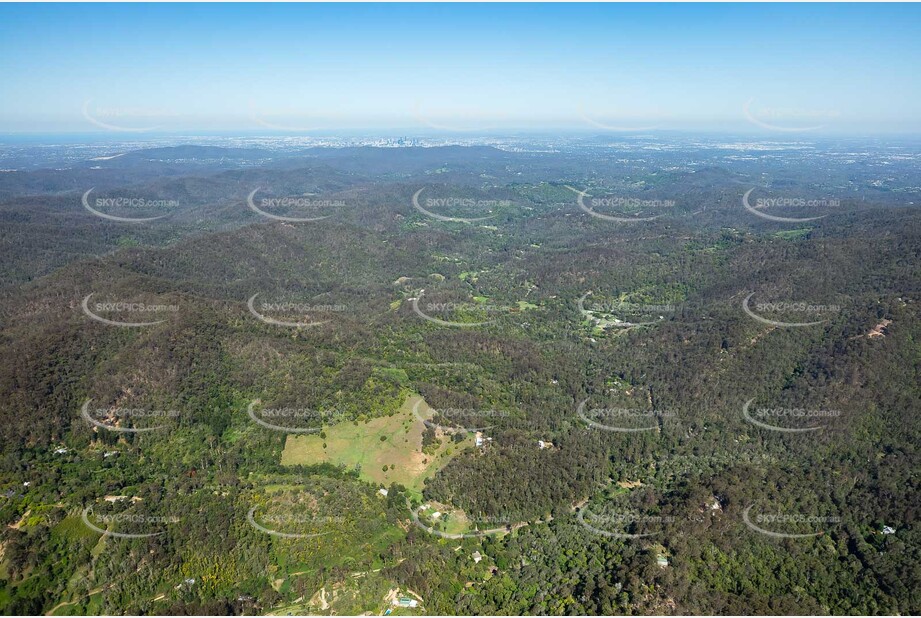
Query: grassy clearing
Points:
[452, 520]
[72, 528]
[391, 442]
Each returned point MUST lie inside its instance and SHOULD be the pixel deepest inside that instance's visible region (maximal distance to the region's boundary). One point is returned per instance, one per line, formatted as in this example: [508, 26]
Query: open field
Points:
[394, 442]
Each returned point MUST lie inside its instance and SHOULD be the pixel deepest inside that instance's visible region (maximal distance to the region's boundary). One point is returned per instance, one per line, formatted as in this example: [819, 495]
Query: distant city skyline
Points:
[779, 69]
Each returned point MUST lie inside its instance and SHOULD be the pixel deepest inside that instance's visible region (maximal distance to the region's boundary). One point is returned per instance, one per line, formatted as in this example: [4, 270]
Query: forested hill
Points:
[646, 389]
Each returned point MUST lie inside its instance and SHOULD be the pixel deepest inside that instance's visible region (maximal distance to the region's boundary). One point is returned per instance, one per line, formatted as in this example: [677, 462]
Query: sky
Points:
[776, 68]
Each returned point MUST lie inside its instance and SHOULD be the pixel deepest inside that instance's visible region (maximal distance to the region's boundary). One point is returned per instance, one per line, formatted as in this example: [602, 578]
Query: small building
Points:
[661, 560]
[477, 556]
[405, 602]
[382, 492]
[543, 444]
[888, 530]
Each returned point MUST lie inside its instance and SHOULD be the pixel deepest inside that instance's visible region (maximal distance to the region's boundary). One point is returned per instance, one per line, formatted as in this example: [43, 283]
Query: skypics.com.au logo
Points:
[271, 522]
[123, 521]
[800, 203]
[622, 314]
[136, 119]
[611, 120]
[292, 209]
[458, 203]
[787, 119]
[124, 307]
[633, 205]
[457, 309]
[293, 420]
[784, 308]
[289, 309]
[771, 525]
[767, 418]
[456, 120]
[624, 524]
[622, 419]
[288, 120]
[114, 419]
[473, 526]
[126, 204]
[459, 418]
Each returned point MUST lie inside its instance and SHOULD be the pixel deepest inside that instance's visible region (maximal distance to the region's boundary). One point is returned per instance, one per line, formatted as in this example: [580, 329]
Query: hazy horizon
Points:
[461, 69]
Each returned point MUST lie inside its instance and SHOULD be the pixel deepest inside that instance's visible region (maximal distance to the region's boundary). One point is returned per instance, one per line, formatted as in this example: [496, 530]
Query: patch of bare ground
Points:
[879, 330]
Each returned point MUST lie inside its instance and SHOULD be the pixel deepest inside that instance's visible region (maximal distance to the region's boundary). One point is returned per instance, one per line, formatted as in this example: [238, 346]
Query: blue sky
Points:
[300, 68]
